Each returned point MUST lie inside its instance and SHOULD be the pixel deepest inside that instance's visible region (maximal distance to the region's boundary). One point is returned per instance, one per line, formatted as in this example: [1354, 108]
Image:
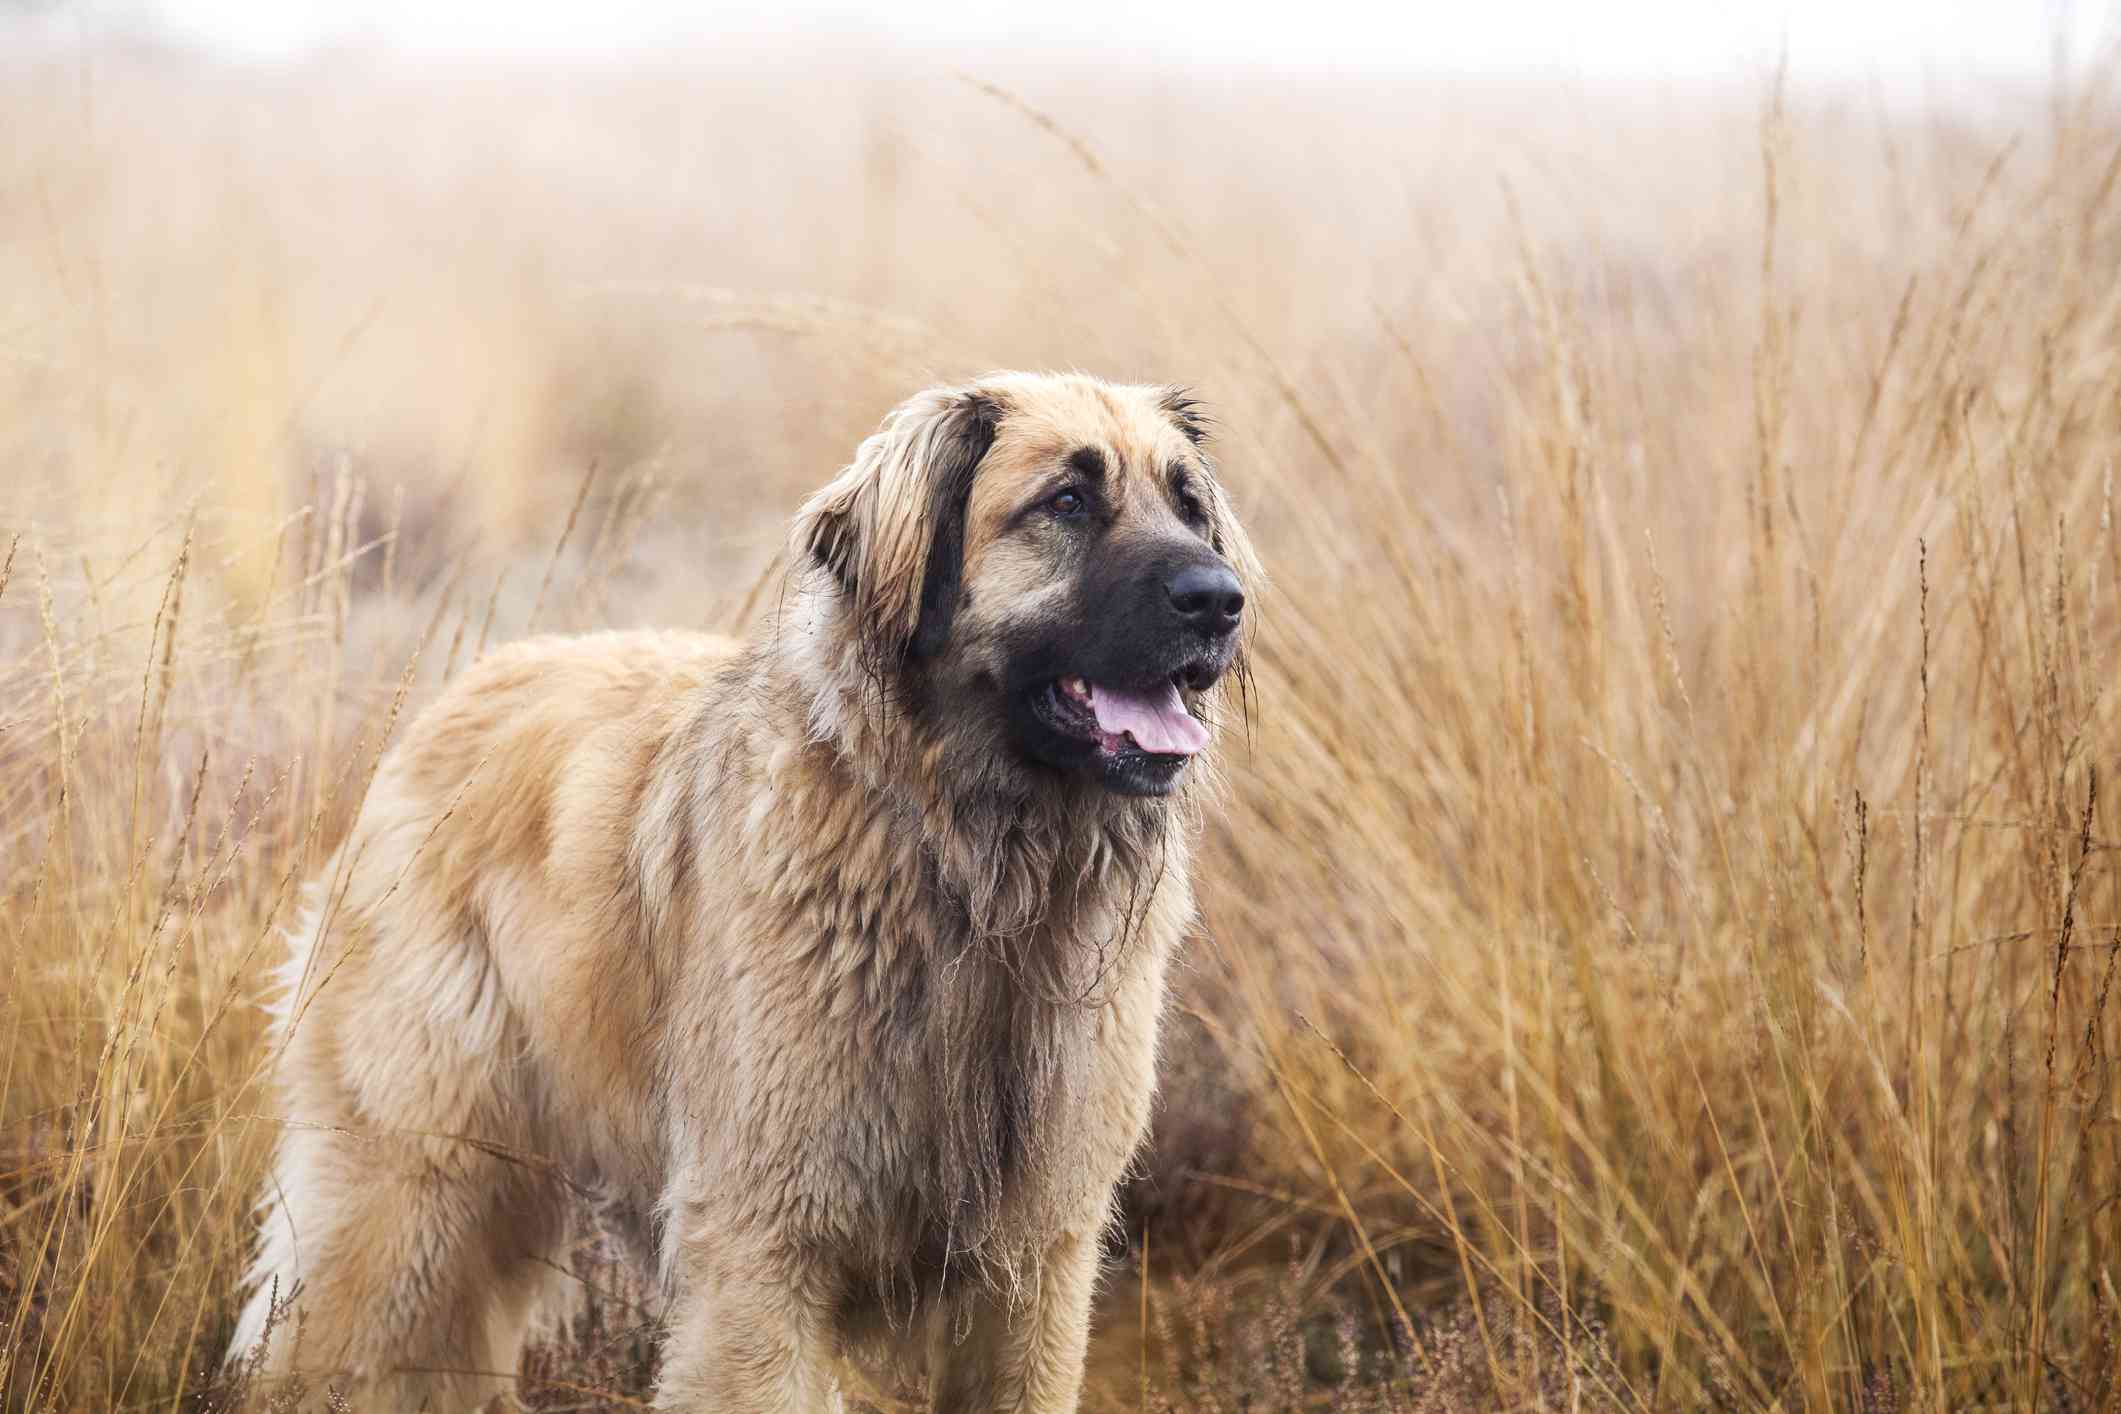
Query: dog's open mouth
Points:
[1151, 719]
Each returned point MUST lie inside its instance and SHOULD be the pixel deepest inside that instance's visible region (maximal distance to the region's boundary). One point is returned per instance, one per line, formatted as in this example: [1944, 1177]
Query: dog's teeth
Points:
[1076, 687]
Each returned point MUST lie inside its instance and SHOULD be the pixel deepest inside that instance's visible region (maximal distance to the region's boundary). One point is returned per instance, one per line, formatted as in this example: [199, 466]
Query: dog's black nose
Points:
[1207, 597]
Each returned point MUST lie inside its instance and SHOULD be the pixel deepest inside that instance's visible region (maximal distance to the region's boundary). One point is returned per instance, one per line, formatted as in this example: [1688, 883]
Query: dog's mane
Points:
[1044, 890]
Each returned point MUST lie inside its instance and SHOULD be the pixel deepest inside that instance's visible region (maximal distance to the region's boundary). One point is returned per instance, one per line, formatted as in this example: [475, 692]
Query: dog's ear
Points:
[1226, 533]
[890, 529]
[1183, 408]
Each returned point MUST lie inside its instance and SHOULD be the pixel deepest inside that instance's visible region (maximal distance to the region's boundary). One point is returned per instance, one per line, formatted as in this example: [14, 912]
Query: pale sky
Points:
[1619, 38]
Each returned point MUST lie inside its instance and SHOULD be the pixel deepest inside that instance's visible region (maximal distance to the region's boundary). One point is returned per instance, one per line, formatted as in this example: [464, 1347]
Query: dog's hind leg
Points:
[405, 1230]
[409, 1272]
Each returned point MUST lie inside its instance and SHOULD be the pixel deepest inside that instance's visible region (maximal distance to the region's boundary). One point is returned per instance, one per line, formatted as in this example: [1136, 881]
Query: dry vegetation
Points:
[1660, 952]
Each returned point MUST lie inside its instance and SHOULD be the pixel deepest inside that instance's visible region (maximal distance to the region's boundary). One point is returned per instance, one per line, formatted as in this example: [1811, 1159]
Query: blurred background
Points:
[1658, 950]
[463, 252]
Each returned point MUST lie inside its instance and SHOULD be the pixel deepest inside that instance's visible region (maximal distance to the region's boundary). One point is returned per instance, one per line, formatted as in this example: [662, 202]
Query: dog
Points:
[832, 961]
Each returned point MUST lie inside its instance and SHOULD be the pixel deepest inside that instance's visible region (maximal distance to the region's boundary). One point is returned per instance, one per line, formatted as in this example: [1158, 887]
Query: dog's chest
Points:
[974, 1096]
[966, 1030]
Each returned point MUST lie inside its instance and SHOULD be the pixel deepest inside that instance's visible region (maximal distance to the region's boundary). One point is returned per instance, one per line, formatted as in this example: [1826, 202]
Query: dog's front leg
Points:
[1023, 1356]
[750, 1333]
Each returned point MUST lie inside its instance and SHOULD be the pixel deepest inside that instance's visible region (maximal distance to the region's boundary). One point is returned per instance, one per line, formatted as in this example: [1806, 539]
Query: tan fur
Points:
[849, 1022]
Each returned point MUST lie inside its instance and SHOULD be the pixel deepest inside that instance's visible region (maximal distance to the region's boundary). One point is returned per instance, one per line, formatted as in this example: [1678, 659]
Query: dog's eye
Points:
[1068, 503]
[1189, 509]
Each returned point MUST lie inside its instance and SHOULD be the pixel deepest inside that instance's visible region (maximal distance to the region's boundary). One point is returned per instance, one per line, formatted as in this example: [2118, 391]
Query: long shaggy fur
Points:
[846, 1013]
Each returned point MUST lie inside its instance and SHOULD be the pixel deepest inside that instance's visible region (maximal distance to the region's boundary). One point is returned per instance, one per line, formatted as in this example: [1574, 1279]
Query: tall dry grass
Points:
[1660, 951]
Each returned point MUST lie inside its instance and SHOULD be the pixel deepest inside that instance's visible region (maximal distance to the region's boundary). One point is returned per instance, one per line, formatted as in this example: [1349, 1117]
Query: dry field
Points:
[1660, 951]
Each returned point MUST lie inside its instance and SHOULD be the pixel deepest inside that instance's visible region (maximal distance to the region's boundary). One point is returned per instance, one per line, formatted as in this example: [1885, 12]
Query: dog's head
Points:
[1046, 560]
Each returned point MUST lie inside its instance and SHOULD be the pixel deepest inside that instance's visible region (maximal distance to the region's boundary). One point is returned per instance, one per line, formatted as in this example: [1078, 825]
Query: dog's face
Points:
[1048, 564]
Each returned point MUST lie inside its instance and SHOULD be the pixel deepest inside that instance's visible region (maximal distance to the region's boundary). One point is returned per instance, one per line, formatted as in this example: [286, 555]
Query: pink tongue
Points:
[1157, 720]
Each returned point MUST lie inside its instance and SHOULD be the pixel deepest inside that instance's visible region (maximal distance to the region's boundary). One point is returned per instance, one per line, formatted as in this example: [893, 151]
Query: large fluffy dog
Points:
[831, 961]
